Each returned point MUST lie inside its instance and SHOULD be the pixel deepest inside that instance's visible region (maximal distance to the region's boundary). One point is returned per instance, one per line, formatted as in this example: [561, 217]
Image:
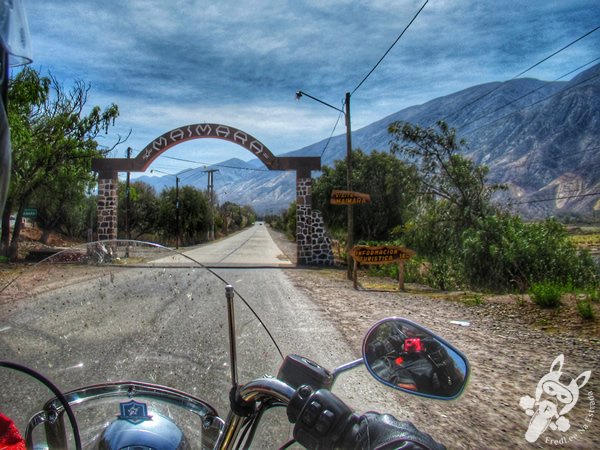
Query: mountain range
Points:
[540, 138]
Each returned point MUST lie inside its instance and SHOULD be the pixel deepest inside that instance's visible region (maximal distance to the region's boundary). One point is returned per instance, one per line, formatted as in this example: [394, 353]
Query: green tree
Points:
[64, 209]
[194, 214]
[233, 217]
[53, 141]
[466, 239]
[230, 215]
[390, 183]
[453, 194]
[444, 173]
[143, 209]
[288, 221]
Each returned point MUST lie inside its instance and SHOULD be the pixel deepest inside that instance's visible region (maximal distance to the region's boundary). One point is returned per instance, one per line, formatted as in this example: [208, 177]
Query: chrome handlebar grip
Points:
[271, 387]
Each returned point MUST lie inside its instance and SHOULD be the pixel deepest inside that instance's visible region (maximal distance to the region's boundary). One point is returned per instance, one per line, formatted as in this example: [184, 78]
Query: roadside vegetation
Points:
[430, 198]
[55, 135]
[153, 216]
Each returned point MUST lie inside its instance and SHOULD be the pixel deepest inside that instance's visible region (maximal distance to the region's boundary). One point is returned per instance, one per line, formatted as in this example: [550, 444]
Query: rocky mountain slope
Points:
[540, 138]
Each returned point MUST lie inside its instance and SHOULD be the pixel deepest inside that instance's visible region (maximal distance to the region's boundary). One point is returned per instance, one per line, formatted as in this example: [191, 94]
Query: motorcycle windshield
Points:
[107, 313]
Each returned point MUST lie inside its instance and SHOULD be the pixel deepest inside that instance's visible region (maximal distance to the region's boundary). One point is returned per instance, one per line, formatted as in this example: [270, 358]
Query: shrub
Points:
[474, 300]
[585, 309]
[502, 251]
[546, 295]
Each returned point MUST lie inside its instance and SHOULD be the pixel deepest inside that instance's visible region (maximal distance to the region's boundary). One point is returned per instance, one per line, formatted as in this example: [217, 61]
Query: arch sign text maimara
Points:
[313, 245]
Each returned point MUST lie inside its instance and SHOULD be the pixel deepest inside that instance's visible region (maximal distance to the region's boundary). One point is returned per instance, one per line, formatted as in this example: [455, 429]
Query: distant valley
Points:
[540, 138]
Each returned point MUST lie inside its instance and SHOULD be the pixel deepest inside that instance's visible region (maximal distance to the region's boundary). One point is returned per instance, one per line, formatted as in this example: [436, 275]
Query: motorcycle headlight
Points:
[158, 432]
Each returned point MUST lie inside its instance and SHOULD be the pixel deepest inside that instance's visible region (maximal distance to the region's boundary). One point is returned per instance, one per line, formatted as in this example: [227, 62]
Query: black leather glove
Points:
[384, 432]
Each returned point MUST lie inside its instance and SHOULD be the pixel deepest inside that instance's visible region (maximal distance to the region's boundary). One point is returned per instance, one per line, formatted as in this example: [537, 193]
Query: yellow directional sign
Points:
[349, 198]
[383, 254]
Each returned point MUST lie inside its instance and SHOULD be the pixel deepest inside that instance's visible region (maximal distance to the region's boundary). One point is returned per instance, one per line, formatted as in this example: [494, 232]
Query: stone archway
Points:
[313, 245]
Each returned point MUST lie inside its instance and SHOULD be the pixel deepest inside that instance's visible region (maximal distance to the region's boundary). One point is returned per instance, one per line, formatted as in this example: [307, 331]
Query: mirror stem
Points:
[229, 293]
[344, 368]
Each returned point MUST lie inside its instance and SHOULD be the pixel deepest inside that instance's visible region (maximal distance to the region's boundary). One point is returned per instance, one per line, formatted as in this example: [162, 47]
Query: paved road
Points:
[252, 246]
[167, 325]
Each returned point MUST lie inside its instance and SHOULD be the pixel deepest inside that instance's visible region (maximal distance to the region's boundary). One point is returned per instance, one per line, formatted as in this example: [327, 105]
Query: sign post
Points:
[383, 254]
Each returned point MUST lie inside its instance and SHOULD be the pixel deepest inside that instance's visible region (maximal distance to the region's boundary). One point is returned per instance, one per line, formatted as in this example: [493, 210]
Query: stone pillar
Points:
[314, 246]
[107, 208]
[322, 252]
[304, 220]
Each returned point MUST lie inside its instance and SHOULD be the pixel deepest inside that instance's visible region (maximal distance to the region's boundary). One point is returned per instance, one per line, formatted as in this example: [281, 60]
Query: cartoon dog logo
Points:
[545, 412]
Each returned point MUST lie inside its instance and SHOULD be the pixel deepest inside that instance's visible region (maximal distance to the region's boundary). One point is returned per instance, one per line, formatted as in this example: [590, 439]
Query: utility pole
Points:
[350, 237]
[127, 199]
[177, 233]
[346, 112]
[177, 212]
[127, 207]
[210, 189]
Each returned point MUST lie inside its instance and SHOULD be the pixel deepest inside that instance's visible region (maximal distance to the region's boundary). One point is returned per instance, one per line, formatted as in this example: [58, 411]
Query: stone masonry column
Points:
[107, 208]
[304, 220]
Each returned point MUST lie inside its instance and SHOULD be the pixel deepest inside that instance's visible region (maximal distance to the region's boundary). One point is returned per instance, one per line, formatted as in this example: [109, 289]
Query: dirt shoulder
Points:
[510, 342]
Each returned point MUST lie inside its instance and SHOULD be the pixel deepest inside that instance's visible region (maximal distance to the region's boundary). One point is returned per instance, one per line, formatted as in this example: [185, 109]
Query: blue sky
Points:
[168, 64]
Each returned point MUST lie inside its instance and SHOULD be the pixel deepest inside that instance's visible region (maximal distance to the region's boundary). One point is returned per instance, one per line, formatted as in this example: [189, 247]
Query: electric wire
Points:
[389, 49]
[216, 165]
[585, 150]
[372, 70]
[522, 73]
[331, 135]
[590, 194]
[528, 93]
[534, 103]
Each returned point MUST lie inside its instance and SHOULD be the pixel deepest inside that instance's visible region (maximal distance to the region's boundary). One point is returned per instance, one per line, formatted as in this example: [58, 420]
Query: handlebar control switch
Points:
[297, 370]
[322, 419]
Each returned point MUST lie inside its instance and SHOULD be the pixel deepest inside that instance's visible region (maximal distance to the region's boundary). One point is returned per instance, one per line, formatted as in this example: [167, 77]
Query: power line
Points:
[585, 150]
[534, 103]
[529, 93]
[523, 72]
[557, 52]
[216, 165]
[389, 49]
[331, 135]
[370, 72]
[590, 194]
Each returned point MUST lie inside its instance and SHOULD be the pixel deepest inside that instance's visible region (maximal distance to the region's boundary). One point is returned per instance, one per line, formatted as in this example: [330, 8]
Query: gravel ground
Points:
[510, 343]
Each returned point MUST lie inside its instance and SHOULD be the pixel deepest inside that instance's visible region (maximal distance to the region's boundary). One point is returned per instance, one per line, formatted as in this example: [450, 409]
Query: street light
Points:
[177, 231]
[346, 113]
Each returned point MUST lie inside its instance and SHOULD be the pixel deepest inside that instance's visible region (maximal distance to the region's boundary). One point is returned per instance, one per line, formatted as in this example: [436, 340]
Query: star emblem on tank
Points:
[134, 412]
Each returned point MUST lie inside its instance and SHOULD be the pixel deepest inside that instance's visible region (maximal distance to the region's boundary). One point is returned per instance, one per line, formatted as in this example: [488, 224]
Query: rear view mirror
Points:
[403, 355]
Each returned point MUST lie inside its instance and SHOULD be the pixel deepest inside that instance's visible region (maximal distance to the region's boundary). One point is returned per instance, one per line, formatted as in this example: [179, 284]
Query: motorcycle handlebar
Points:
[271, 387]
[320, 417]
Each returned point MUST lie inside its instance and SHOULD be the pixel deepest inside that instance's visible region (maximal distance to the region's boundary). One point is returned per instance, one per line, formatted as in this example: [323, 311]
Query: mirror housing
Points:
[407, 357]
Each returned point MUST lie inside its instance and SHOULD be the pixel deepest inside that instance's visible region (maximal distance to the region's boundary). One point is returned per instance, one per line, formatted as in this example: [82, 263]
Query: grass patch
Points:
[594, 295]
[474, 300]
[518, 299]
[546, 295]
[585, 310]
[542, 322]
[585, 239]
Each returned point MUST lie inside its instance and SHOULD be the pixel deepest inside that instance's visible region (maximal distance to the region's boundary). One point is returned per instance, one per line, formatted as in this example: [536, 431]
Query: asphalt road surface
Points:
[250, 247]
[167, 324]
